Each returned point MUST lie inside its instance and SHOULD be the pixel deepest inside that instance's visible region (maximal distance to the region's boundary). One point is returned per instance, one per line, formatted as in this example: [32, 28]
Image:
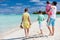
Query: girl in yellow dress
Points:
[26, 22]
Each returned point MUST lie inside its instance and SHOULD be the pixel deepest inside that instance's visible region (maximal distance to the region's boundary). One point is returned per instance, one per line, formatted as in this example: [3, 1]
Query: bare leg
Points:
[25, 32]
[50, 30]
[48, 18]
[28, 31]
[40, 25]
[41, 31]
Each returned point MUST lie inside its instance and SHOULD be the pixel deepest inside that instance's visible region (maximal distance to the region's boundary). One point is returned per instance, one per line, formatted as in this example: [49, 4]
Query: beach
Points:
[12, 15]
[18, 34]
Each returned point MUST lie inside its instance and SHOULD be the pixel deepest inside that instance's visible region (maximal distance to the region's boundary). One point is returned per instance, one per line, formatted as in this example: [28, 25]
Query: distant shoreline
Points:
[44, 12]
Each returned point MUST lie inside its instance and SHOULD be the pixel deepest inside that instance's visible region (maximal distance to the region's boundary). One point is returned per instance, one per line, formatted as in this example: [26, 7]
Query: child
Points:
[26, 22]
[48, 10]
[40, 20]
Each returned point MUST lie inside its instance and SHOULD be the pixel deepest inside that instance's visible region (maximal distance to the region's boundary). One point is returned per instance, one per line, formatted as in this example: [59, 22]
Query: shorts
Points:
[40, 26]
[51, 22]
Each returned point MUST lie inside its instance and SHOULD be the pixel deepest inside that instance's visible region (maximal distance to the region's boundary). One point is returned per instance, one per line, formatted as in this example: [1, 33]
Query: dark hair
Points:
[26, 9]
[48, 2]
[54, 3]
[40, 12]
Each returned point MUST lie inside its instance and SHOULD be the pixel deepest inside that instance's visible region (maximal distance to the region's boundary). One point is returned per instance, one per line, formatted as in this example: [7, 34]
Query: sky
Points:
[18, 6]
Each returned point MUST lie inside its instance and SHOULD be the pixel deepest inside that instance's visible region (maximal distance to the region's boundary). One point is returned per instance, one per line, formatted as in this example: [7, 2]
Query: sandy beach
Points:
[18, 33]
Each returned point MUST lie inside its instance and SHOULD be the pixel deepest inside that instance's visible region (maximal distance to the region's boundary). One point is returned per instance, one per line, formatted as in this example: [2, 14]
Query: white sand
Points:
[17, 32]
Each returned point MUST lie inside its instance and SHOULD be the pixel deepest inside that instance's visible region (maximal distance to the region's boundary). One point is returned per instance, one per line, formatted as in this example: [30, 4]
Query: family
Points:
[51, 10]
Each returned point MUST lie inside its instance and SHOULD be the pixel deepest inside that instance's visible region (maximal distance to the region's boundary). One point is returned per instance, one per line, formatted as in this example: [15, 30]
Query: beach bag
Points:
[21, 26]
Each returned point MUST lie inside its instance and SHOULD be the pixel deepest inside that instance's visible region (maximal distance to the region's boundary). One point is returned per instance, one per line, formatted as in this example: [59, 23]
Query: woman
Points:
[26, 22]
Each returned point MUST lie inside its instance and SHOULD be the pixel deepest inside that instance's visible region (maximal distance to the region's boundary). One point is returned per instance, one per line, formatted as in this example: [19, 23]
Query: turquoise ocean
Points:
[8, 22]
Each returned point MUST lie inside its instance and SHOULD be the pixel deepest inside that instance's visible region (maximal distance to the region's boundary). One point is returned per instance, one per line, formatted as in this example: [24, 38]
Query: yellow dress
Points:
[26, 23]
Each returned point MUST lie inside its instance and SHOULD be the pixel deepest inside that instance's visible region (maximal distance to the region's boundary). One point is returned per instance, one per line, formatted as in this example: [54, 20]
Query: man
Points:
[52, 18]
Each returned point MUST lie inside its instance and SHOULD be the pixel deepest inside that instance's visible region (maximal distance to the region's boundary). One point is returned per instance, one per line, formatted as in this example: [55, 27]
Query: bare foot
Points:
[26, 36]
[41, 34]
[51, 34]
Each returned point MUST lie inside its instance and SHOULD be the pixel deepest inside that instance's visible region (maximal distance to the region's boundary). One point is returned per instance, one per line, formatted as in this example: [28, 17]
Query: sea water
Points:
[8, 22]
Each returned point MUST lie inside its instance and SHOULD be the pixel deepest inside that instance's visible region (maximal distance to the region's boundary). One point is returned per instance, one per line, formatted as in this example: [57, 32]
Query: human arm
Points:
[29, 20]
[44, 17]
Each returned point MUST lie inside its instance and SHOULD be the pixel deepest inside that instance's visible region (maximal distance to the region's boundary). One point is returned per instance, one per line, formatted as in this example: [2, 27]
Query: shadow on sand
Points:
[24, 38]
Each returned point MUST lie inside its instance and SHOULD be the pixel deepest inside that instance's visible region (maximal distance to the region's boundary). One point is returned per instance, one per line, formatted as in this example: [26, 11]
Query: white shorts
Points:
[40, 25]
